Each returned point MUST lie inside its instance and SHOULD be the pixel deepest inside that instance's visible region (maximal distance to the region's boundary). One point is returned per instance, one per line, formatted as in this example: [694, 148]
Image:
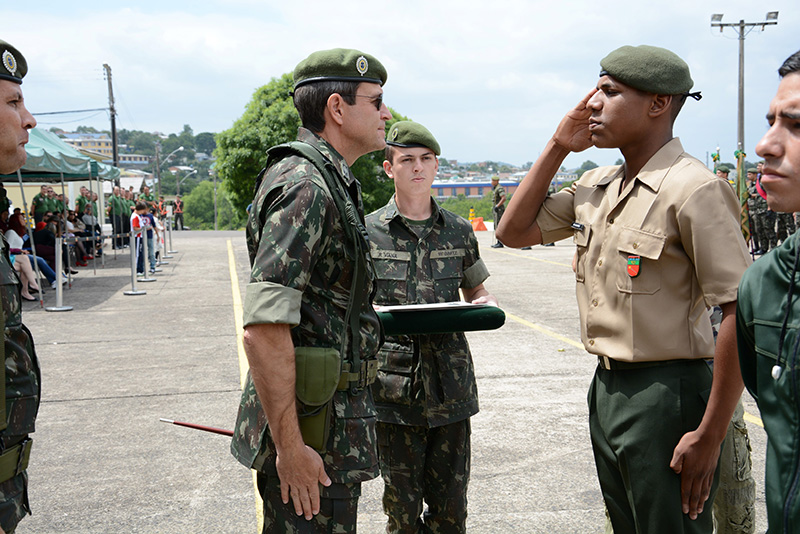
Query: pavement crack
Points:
[142, 396]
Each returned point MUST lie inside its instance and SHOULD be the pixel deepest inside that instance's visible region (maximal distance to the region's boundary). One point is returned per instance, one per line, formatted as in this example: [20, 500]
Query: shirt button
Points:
[591, 342]
[636, 245]
[594, 302]
[611, 220]
[600, 263]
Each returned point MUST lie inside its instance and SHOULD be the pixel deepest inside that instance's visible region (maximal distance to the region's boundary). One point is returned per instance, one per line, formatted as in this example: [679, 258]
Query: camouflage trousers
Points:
[13, 501]
[425, 464]
[734, 505]
[765, 230]
[337, 513]
[786, 226]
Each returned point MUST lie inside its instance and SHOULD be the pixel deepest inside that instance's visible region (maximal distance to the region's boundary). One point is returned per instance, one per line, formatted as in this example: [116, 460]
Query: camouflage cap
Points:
[13, 66]
[648, 68]
[339, 64]
[411, 134]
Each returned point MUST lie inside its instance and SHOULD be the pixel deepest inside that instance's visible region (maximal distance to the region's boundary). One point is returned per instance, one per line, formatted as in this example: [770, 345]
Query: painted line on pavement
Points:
[243, 365]
[527, 257]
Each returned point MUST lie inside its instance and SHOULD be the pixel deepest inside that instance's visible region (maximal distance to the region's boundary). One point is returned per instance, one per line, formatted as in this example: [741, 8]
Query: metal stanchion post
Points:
[169, 233]
[145, 260]
[59, 287]
[133, 290]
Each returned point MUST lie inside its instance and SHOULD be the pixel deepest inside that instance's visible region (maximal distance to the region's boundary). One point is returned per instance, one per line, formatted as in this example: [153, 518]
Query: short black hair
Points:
[310, 100]
[792, 64]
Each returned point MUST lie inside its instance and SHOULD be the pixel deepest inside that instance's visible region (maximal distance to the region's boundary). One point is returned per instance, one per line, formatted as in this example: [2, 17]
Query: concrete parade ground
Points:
[102, 462]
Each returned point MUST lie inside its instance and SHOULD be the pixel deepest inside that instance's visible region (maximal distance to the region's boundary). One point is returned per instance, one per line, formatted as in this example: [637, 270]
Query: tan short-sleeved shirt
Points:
[680, 223]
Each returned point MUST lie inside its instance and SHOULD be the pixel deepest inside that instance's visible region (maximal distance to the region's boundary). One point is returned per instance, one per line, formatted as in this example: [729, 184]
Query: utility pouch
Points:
[317, 377]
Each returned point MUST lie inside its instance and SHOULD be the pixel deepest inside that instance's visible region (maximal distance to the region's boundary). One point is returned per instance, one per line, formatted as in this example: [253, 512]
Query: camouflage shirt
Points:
[497, 193]
[302, 270]
[425, 380]
[755, 202]
[23, 389]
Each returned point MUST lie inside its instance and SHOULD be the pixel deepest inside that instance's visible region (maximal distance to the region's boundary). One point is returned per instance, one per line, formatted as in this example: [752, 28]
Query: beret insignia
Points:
[9, 62]
[362, 65]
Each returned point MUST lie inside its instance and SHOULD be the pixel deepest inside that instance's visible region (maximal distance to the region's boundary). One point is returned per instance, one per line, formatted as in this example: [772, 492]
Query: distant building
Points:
[100, 142]
[470, 189]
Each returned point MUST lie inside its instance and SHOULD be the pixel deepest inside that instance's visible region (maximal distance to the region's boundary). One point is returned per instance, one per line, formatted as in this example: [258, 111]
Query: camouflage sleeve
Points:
[475, 271]
[297, 228]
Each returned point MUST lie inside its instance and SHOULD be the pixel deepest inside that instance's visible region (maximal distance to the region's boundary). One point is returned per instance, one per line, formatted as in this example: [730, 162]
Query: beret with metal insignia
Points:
[411, 134]
[339, 64]
[13, 66]
[648, 68]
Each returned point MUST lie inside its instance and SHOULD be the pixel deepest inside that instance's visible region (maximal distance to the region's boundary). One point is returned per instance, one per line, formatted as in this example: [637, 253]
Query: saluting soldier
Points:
[650, 234]
[308, 309]
[20, 378]
[425, 393]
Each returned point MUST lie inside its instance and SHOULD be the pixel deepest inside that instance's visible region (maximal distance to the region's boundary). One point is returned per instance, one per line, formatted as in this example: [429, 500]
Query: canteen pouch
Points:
[316, 379]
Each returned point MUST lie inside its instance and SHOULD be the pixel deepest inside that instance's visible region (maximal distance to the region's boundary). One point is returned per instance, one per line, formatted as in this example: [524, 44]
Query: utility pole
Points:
[742, 28]
[113, 112]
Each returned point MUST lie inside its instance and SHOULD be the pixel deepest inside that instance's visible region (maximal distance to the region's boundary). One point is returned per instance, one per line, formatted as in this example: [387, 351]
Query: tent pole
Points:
[30, 236]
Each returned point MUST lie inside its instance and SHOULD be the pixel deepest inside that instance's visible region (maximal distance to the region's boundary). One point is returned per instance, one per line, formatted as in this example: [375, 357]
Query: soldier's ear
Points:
[387, 168]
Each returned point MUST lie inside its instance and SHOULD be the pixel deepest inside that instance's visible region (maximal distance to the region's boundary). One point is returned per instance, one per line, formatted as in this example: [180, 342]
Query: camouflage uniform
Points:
[497, 194]
[22, 394]
[757, 205]
[425, 392]
[302, 269]
[786, 226]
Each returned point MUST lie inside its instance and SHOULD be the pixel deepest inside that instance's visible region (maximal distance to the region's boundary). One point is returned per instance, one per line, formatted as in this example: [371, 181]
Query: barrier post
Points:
[146, 260]
[59, 286]
[133, 290]
[169, 233]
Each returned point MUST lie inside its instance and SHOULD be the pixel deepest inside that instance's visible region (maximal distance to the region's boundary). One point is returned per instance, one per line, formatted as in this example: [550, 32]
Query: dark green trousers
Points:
[636, 418]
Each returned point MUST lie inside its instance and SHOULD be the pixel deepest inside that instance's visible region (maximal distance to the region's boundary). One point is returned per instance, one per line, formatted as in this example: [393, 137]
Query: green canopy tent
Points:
[52, 160]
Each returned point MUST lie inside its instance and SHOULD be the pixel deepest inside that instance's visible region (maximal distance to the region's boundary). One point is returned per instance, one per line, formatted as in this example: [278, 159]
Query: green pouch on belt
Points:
[317, 376]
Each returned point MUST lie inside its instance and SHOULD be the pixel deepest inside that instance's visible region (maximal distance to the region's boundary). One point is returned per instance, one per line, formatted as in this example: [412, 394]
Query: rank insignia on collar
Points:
[633, 266]
[362, 65]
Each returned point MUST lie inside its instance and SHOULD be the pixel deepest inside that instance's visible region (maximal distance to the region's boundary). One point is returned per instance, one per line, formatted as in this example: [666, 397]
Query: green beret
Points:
[14, 67]
[409, 134]
[751, 169]
[648, 68]
[723, 169]
[339, 64]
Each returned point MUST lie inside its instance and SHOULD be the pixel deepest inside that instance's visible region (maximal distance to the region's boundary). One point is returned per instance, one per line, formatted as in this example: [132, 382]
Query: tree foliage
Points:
[270, 119]
[585, 166]
[199, 209]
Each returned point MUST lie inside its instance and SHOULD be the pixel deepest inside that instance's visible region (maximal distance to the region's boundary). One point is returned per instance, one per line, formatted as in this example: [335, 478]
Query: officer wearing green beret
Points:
[650, 234]
[425, 392]
[306, 420]
[20, 377]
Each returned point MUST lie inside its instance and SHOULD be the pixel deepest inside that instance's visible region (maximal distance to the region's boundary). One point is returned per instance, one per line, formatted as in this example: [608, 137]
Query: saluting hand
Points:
[573, 132]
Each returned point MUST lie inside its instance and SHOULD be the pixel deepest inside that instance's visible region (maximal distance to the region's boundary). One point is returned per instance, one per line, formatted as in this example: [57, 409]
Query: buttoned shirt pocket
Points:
[395, 374]
[637, 245]
[582, 238]
[448, 271]
[391, 273]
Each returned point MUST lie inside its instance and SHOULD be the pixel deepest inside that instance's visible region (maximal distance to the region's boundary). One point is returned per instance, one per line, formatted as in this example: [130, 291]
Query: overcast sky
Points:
[490, 79]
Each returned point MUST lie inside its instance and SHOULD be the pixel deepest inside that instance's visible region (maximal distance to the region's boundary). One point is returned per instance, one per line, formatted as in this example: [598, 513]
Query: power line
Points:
[71, 111]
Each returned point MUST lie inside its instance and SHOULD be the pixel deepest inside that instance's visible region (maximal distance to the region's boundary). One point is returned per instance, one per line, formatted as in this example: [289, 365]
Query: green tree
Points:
[204, 142]
[619, 161]
[585, 166]
[199, 209]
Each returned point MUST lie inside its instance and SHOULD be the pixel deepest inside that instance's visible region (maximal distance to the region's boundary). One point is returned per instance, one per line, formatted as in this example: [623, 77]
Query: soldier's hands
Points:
[573, 132]
[486, 299]
[301, 471]
[695, 460]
